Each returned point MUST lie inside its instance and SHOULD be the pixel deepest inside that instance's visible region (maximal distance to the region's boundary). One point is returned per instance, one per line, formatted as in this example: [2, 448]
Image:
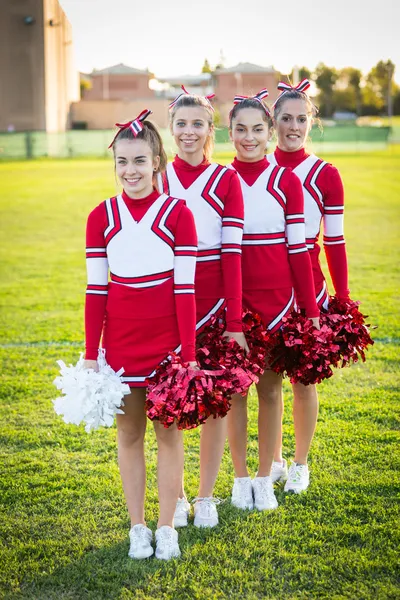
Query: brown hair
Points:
[151, 135]
[295, 95]
[251, 103]
[194, 100]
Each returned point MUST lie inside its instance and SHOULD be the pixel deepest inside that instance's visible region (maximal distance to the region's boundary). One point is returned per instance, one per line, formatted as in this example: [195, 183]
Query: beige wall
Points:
[247, 84]
[103, 114]
[37, 74]
[119, 87]
[61, 77]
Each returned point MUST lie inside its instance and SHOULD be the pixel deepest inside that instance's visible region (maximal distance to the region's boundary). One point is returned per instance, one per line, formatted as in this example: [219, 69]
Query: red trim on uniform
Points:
[156, 224]
[292, 221]
[92, 286]
[264, 236]
[206, 191]
[117, 220]
[183, 286]
[329, 211]
[236, 247]
[308, 186]
[185, 253]
[270, 188]
[211, 252]
[337, 239]
[227, 223]
[143, 278]
[96, 254]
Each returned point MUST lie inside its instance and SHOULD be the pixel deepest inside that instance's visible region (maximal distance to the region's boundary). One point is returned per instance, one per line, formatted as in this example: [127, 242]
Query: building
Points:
[119, 82]
[245, 79]
[117, 94]
[170, 87]
[38, 77]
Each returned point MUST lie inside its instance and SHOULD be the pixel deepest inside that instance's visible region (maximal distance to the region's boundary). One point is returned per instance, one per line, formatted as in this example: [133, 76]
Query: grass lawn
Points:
[63, 522]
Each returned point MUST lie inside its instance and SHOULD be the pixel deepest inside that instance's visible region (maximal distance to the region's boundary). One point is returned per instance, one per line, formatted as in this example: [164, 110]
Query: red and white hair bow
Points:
[286, 87]
[136, 126]
[259, 97]
[185, 92]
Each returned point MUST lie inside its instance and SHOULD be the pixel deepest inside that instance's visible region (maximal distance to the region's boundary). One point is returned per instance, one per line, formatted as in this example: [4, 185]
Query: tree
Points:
[299, 73]
[206, 67]
[349, 80]
[380, 82]
[325, 79]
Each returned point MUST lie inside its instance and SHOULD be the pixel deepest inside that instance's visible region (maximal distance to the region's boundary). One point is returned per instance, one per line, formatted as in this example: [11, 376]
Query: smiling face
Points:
[250, 134]
[191, 129]
[292, 124]
[135, 166]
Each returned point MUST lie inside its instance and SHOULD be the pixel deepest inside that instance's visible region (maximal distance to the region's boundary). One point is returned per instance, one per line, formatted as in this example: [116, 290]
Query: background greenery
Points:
[63, 522]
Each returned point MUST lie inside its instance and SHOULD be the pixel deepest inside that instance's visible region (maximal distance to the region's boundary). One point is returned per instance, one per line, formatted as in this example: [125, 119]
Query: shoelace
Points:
[141, 536]
[207, 502]
[207, 499]
[166, 538]
[265, 488]
[295, 473]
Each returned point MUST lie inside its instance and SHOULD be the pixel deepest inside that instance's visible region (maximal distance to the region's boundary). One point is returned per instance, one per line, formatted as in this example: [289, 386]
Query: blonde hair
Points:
[194, 100]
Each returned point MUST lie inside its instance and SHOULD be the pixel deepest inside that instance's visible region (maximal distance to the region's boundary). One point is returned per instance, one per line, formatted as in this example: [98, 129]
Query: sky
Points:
[173, 38]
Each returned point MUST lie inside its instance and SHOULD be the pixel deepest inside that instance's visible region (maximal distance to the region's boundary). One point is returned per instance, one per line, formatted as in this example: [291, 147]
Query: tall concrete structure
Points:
[38, 79]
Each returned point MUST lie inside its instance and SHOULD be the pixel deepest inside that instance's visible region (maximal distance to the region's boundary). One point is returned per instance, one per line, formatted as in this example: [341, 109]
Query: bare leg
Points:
[237, 434]
[305, 414]
[212, 443]
[269, 416]
[131, 428]
[278, 448]
[169, 470]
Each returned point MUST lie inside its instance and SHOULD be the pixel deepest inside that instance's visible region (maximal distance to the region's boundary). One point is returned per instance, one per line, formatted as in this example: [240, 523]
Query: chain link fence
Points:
[76, 143]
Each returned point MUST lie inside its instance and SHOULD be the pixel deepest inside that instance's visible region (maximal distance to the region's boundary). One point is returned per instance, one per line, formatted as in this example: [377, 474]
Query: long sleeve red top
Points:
[264, 269]
[95, 305]
[331, 186]
[230, 191]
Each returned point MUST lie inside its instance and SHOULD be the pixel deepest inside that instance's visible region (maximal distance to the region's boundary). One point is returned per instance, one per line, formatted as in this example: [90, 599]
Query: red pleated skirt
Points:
[140, 329]
[271, 305]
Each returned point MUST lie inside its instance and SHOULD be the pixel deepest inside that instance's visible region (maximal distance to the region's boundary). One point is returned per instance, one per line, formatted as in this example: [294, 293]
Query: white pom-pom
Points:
[90, 397]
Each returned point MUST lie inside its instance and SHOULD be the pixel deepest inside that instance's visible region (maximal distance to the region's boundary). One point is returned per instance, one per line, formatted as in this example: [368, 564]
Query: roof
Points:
[119, 69]
[247, 68]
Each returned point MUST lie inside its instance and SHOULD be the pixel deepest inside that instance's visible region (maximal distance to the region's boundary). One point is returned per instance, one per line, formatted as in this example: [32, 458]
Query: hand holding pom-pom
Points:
[351, 332]
[185, 394]
[92, 397]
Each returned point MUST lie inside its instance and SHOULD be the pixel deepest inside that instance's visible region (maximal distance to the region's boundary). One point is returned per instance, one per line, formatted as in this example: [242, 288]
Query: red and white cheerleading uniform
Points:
[323, 201]
[147, 248]
[213, 194]
[274, 252]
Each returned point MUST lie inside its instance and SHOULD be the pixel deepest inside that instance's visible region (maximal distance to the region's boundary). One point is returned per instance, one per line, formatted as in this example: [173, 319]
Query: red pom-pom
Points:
[307, 355]
[178, 393]
[241, 369]
[351, 332]
[301, 351]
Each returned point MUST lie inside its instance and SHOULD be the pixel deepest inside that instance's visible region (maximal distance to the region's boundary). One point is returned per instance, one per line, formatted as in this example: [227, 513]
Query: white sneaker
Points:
[205, 512]
[279, 471]
[167, 543]
[264, 497]
[298, 479]
[182, 512]
[141, 538]
[242, 493]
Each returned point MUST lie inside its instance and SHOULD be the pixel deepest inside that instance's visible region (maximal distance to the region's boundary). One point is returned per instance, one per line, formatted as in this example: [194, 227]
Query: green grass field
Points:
[63, 522]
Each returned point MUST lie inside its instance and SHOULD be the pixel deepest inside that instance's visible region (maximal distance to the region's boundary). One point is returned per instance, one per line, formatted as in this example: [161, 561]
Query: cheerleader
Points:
[213, 194]
[274, 260]
[323, 201]
[146, 243]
